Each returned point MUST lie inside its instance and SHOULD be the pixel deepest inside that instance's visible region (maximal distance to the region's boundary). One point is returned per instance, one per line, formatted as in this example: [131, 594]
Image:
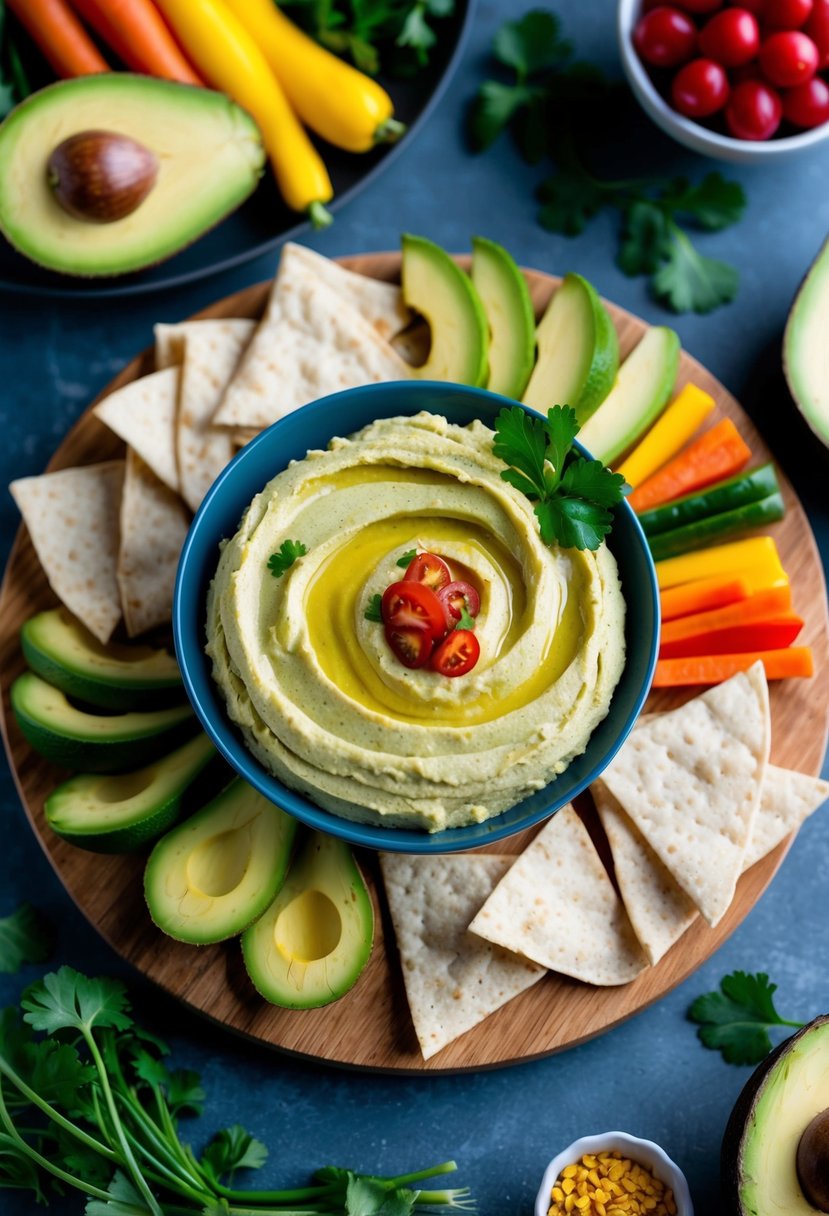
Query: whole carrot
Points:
[139, 36]
[60, 36]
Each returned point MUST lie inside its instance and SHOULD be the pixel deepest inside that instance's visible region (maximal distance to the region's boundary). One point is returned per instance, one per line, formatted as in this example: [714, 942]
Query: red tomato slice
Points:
[412, 646]
[455, 595]
[429, 569]
[457, 653]
[409, 605]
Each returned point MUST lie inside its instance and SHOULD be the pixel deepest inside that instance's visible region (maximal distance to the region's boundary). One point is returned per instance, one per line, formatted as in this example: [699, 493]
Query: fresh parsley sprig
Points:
[554, 107]
[394, 35]
[735, 1021]
[26, 936]
[406, 560]
[374, 608]
[573, 496]
[280, 562]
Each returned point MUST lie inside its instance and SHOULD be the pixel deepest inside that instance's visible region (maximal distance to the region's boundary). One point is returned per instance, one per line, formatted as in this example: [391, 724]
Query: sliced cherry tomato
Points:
[731, 37]
[408, 605]
[457, 654]
[754, 110]
[817, 27]
[788, 58]
[665, 37]
[787, 14]
[458, 594]
[700, 88]
[807, 105]
[412, 646]
[429, 569]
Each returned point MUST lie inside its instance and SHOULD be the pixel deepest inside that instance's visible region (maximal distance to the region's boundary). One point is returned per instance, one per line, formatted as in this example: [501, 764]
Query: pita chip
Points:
[453, 979]
[558, 907]
[379, 302]
[690, 781]
[787, 799]
[143, 413]
[154, 523]
[169, 345]
[72, 517]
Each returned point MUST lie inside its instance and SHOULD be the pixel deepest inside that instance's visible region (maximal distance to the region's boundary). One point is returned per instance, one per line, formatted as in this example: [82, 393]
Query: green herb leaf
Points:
[406, 560]
[714, 203]
[532, 44]
[185, 1093]
[645, 239]
[493, 109]
[364, 1196]
[374, 610]
[17, 1171]
[466, 621]
[573, 523]
[562, 429]
[590, 479]
[67, 1000]
[233, 1149]
[689, 282]
[124, 1201]
[25, 937]
[571, 198]
[289, 551]
[735, 1020]
[521, 441]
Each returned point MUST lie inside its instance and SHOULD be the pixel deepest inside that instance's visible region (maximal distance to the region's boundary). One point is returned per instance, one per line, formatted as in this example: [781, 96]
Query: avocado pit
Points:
[813, 1162]
[100, 177]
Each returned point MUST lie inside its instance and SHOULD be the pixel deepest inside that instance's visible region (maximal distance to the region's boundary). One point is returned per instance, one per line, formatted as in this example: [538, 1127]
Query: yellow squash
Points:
[228, 57]
[342, 105]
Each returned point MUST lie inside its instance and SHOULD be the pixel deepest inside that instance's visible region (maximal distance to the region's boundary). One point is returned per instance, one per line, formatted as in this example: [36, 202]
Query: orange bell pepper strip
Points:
[719, 453]
[702, 596]
[714, 668]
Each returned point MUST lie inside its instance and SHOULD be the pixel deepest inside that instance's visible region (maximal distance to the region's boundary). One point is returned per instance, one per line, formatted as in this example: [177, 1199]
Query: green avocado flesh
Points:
[578, 352]
[60, 650]
[93, 743]
[213, 875]
[806, 350]
[210, 155]
[505, 296]
[436, 287]
[312, 943]
[116, 814]
[794, 1090]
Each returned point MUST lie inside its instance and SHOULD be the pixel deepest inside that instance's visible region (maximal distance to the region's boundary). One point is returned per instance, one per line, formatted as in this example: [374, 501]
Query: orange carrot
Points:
[702, 596]
[138, 34]
[60, 36]
[763, 606]
[714, 668]
[717, 454]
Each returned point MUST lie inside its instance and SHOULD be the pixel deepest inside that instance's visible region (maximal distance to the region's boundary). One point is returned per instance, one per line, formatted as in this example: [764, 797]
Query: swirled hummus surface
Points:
[318, 694]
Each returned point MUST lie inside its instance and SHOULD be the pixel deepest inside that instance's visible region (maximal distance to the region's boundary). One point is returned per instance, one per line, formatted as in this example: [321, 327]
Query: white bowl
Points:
[685, 130]
[644, 1151]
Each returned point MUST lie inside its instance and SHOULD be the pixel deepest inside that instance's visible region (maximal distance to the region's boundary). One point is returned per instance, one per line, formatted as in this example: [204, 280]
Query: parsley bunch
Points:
[398, 35]
[94, 1107]
[735, 1021]
[555, 107]
[572, 495]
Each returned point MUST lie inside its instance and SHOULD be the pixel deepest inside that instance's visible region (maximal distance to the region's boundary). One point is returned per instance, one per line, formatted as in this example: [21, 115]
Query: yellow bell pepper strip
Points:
[668, 435]
[758, 553]
[227, 56]
[341, 104]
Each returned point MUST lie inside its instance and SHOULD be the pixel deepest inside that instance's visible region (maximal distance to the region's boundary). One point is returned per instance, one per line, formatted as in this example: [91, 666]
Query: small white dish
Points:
[644, 1151]
[685, 130]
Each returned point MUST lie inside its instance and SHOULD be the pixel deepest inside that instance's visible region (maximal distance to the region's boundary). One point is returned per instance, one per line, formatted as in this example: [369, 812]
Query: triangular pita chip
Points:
[169, 345]
[379, 302]
[154, 523]
[558, 907]
[786, 800]
[690, 781]
[453, 979]
[143, 413]
[72, 517]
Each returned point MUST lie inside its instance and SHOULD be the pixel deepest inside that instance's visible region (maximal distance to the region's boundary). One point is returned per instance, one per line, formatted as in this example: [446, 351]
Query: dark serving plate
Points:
[264, 221]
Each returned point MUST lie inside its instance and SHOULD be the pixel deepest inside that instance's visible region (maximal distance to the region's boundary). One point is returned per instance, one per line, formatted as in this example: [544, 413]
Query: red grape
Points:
[807, 105]
[700, 6]
[788, 58]
[786, 14]
[665, 37]
[731, 38]
[817, 27]
[753, 111]
[700, 88]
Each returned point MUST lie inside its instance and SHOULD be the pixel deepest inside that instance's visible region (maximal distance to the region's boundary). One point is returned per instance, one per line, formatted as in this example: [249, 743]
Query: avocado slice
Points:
[209, 151]
[435, 286]
[643, 387]
[805, 349]
[775, 1153]
[509, 310]
[65, 654]
[311, 945]
[578, 352]
[93, 743]
[118, 814]
[213, 875]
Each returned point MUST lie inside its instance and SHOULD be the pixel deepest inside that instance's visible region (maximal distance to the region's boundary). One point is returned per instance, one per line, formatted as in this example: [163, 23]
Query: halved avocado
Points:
[578, 352]
[213, 875]
[210, 159]
[506, 299]
[435, 286]
[117, 814]
[311, 945]
[805, 349]
[65, 654]
[93, 743]
[775, 1152]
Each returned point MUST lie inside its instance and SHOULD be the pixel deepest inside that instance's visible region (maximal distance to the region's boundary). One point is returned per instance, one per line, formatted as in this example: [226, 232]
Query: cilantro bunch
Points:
[397, 35]
[735, 1021]
[554, 108]
[572, 495]
[94, 1107]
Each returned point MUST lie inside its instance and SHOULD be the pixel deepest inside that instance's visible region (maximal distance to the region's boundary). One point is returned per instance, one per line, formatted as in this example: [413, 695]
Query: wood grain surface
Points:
[371, 1026]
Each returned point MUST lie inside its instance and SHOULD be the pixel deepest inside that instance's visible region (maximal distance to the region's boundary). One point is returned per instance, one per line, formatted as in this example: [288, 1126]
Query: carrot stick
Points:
[764, 605]
[702, 596]
[138, 34]
[714, 668]
[60, 36]
[717, 454]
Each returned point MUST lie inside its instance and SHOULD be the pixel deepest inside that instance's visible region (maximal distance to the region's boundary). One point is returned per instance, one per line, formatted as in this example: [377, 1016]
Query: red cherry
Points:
[788, 58]
[665, 37]
[817, 27]
[753, 111]
[700, 88]
[807, 105]
[731, 38]
[786, 14]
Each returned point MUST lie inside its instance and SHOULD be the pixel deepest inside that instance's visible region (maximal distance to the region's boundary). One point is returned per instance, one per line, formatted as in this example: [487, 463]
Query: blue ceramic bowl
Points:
[218, 517]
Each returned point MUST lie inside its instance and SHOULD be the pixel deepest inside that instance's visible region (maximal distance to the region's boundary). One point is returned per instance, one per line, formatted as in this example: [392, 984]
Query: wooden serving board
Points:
[371, 1026]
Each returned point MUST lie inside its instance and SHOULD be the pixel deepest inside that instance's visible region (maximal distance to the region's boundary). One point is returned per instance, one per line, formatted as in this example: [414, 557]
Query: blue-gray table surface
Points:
[649, 1076]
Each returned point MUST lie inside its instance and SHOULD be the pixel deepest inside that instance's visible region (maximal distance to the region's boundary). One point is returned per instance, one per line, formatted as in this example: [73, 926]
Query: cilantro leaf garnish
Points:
[466, 621]
[735, 1021]
[67, 1000]
[25, 937]
[406, 560]
[373, 610]
[688, 282]
[572, 494]
[393, 35]
[233, 1149]
[287, 554]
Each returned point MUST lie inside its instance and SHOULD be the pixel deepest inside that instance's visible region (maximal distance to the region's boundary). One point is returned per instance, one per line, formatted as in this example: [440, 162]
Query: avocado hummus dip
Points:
[309, 676]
